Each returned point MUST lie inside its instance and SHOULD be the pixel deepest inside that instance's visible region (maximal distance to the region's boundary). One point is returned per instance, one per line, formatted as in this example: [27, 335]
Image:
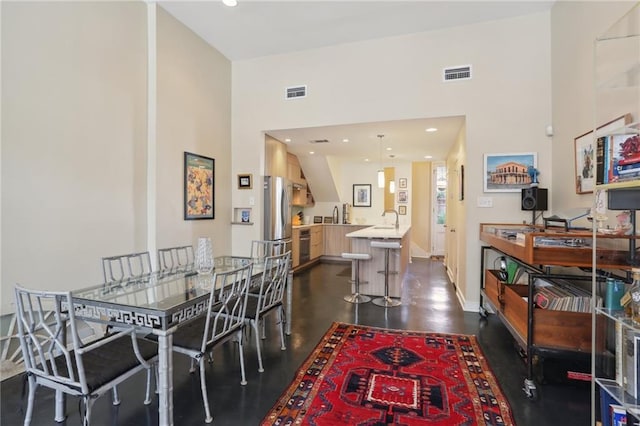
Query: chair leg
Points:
[254, 324]
[88, 402]
[263, 328]
[281, 321]
[32, 395]
[192, 369]
[147, 395]
[241, 349]
[116, 398]
[203, 386]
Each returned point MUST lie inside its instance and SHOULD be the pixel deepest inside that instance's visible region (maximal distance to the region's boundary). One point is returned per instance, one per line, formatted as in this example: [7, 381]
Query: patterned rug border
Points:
[271, 415]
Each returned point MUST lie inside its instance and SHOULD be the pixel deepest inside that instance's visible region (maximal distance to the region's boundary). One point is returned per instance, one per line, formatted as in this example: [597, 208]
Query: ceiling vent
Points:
[296, 92]
[319, 141]
[457, 73]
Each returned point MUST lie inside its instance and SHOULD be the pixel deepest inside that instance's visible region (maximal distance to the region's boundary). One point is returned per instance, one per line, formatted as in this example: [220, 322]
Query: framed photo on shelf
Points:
[199, 175]
[403, 196]
[244, 181]
[245, 215]
[586, 155]
[361, 195]
[508, 172]
[402, 210]
[402, 183]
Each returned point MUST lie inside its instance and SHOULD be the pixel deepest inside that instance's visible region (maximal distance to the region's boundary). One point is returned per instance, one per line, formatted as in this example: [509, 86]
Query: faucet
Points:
[396, 212]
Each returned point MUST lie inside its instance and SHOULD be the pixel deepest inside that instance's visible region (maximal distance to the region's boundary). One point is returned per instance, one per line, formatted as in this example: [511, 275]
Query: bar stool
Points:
[386, 301]
[355, 261]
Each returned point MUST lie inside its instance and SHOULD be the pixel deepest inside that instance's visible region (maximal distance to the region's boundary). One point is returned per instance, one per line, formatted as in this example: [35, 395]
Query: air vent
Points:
[296, 92]
[319, 141]
[457, 73]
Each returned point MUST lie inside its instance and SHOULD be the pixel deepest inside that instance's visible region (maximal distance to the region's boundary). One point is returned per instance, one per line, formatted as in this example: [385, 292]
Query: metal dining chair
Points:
[84, 370]
[260, 249]
[224, 321]
[176, 259]
[269, 299]
[116, 269]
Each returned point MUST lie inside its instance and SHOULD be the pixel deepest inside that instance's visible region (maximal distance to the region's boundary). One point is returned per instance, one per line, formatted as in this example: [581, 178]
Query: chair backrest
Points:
[42, 337]
[274, 281]
[261, 249]
[176, 259]
[227, 303]
[126, 266]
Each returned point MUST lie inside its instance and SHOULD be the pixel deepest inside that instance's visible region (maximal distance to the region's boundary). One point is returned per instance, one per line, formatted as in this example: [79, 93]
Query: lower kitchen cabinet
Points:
[295, 247]
[317, 242]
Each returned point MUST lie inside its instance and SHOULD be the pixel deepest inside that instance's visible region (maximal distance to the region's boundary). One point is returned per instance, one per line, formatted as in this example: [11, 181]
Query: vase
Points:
[204, 256]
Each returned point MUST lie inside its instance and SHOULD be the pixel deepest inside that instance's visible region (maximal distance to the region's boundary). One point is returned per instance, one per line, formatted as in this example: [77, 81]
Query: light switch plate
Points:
[252, 201]
[485, 202]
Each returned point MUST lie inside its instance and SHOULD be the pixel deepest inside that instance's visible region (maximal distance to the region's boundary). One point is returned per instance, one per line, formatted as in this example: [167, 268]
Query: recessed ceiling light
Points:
[389, 148]
[366, 160]
[311, 152]
[287, 140]
[431, 129]
[230, 3]
[345, 140]
[428, 156]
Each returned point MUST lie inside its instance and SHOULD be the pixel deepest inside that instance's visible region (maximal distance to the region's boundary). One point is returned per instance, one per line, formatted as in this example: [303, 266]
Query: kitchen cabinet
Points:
[317, 241]
[275, 158]
[295, 247]
[335, 240]
[294, 171]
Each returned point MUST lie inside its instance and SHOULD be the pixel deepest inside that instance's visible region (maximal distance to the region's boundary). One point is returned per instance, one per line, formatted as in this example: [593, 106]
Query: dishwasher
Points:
[305, 245]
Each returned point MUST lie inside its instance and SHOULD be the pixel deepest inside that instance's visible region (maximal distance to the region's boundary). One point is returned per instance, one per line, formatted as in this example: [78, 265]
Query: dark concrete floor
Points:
[429, 304]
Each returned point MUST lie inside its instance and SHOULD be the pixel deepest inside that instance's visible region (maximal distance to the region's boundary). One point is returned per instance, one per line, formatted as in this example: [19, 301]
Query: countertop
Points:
[326, 224]
[380, 231]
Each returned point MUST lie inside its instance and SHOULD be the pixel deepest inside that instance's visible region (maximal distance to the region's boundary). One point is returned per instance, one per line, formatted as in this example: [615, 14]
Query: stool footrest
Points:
[355, 281]
[390, 272]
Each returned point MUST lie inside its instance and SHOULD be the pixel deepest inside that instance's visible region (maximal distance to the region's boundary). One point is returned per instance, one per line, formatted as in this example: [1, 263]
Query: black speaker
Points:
[534, 199]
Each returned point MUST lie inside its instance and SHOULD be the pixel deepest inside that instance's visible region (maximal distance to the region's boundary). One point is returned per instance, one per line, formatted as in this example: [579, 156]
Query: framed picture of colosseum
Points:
[509, 172]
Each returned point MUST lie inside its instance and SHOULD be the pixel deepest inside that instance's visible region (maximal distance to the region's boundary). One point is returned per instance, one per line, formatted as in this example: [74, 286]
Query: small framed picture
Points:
[244, 181]
[402, 197]
[245, 215]
[402, 183]
[402, 210]
[362, 195]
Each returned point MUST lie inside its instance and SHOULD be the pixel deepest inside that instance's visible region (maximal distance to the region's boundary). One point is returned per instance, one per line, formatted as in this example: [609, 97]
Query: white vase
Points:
[204, 256]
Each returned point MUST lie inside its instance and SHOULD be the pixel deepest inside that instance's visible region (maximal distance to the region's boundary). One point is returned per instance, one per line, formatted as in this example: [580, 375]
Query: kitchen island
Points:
[398, 259]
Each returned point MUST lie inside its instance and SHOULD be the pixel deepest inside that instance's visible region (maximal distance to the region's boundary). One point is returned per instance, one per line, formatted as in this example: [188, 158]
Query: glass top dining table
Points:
[160, 303]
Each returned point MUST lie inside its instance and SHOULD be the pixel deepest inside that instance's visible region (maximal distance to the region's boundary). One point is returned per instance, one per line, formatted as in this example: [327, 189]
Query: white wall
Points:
[400, 78]
[574, 27]
[194, 115]
[74, 139]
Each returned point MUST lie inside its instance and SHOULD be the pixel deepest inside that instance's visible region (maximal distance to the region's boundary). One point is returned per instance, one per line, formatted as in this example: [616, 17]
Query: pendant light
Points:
[392, 183]
[380, 170]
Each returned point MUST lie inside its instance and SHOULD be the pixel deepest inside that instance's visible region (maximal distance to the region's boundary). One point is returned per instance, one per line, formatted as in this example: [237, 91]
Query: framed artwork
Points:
[361, 195]
[402, 210]
[244, 181]
[509, 172]
[245, 215]
[198, 186]
[402, 197]
[586, 156]
[402, 183]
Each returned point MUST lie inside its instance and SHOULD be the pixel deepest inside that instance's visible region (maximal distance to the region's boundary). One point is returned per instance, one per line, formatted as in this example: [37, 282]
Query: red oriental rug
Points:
[361, 375]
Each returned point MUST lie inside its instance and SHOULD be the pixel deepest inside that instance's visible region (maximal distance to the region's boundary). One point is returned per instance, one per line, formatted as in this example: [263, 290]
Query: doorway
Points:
[439, 213]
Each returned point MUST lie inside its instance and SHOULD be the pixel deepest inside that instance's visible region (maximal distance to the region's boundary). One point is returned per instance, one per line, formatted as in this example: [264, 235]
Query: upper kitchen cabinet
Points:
[276, 161]
[294, 172]
[301, 194]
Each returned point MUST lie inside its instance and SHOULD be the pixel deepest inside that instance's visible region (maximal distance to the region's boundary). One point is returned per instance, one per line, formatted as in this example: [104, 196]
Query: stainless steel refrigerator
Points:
[278, 192]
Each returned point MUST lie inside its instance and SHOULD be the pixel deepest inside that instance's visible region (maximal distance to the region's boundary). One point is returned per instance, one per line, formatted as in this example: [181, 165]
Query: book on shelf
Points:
[618, 415]
[617, 158]
[631, 362]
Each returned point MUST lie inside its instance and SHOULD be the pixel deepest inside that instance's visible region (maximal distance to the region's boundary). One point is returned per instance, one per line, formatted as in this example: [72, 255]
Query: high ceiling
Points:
[258, 28]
